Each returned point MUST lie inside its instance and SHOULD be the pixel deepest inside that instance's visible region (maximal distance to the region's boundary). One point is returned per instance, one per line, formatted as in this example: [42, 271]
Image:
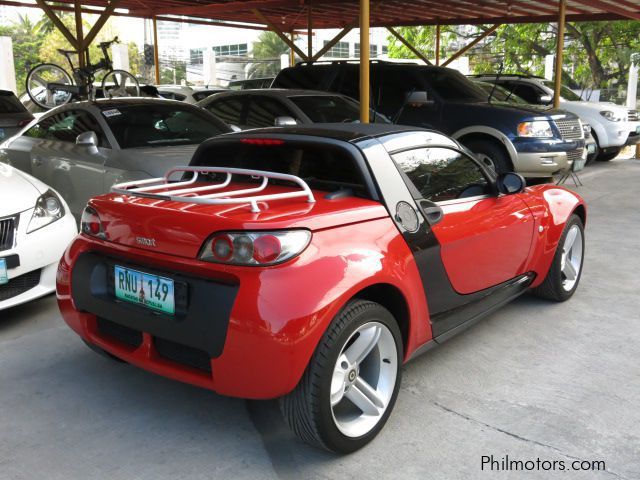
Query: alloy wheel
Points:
[363, 379]
[571, 260]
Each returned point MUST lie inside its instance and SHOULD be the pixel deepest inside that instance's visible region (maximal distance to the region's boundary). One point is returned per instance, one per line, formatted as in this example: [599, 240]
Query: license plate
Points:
[4, 277]
[145, 289]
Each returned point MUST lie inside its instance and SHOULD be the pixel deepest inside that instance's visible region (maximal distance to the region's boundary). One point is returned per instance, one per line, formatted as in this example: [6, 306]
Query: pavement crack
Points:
[519, 437]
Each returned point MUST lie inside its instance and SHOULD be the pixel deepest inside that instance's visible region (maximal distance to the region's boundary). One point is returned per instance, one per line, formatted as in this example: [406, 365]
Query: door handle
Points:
[432, 212]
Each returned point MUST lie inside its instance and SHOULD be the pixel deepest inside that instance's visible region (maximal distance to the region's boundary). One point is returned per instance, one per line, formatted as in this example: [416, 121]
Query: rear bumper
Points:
[229, 342]
[255, 329]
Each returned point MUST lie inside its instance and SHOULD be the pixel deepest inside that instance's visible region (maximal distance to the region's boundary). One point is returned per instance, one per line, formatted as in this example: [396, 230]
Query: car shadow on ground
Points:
[26, 315]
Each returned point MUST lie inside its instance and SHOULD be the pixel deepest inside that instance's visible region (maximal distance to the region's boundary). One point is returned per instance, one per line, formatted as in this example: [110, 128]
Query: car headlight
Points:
[537, 128]
[611, 116]
[48, 209]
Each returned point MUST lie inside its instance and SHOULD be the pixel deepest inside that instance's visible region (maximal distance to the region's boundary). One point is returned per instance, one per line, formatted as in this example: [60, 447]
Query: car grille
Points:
[7, 233]
[19, 285]
[574, 155]
[633, 116]
[570, 129]
[176, 352]
[122, 334]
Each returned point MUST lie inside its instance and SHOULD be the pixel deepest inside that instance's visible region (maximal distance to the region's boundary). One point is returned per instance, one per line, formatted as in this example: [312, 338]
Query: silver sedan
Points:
[81, 149]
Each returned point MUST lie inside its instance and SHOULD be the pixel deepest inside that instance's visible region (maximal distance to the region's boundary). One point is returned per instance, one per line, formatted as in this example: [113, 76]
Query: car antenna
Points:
[396, 117]
[495, 83]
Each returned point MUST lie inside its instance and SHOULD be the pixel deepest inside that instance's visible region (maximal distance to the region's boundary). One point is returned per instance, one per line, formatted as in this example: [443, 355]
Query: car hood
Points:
[504, 110]
[596, 106]
[18, 191]
[155, 161]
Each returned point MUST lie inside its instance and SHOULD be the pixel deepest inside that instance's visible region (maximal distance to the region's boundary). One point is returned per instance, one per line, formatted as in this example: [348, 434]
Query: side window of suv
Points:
[229, 110]
[528, 92]
[262, 112]
[440, 174]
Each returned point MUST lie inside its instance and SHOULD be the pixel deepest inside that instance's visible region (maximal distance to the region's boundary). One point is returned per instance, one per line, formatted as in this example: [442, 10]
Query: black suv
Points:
[532, 140]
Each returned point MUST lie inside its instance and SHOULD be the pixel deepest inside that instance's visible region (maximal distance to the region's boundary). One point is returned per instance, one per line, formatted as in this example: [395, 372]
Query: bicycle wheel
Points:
[41, 85]
[120, 83]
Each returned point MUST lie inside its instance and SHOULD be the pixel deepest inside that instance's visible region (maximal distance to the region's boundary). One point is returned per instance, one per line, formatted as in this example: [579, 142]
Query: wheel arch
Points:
[480, 132]
[391, 298]
[581, 212]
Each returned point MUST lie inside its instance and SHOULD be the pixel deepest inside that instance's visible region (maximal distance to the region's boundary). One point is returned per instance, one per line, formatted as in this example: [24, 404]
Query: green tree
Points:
[597, 54]
[267, 49]
[26, 43]
[174, 74]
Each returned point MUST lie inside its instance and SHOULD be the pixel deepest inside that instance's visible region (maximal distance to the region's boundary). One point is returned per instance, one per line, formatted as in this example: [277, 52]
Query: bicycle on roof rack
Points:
[49, 85]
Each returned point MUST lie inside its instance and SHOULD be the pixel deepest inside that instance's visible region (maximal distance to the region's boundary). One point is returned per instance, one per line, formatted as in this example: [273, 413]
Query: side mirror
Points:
[285, 121]
[510, 183]
[545, 99]
[418, 99]
[88, 140]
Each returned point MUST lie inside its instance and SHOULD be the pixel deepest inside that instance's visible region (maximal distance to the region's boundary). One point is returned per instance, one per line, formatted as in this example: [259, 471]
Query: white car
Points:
[35, 228]
[612, 126]
[184, 93]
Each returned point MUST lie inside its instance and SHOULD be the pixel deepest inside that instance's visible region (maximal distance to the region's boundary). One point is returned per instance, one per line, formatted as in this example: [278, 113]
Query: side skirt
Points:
[475, 311]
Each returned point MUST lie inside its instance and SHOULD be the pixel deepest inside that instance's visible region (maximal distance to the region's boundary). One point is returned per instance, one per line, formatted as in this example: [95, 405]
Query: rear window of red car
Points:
[323, 167]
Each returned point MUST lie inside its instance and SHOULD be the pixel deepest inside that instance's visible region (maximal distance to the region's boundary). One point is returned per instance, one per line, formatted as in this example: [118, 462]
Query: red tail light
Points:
[90, 224]
[255, 248]
[262, 141]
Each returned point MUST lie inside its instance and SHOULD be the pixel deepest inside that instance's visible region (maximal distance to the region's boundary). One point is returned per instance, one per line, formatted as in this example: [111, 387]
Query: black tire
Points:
[496, 153]
[608, 154]
[551, 288]
[307, 410]
[37, 102]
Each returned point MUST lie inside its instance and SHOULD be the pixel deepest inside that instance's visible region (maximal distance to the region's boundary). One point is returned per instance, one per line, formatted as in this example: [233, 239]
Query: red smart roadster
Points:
[308, 264]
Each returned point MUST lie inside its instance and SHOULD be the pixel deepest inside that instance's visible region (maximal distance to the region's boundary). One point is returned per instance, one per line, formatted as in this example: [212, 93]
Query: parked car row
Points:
[612, 126]
[306, 261]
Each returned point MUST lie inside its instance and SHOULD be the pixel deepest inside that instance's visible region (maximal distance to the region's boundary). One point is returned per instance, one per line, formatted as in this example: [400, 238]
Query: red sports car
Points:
[308, 264]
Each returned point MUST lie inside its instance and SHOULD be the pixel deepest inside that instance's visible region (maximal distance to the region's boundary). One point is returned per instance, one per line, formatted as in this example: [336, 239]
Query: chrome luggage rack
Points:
[182, 191]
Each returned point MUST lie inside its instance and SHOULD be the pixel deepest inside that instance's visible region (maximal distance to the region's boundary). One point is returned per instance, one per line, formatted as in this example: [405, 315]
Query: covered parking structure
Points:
[288, 18]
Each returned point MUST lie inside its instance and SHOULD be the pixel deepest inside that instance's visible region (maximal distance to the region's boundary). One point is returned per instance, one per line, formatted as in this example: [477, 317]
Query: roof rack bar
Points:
[162, 189]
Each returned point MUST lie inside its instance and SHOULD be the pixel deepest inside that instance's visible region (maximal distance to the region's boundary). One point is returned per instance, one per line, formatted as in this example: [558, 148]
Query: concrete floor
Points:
[535, 380]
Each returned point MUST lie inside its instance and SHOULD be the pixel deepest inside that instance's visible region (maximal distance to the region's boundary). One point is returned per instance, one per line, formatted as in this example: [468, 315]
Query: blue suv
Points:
[532, 140]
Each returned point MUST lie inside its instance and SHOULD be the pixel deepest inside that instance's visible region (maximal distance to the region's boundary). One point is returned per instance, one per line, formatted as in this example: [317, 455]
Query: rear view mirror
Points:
[285, 121]
[88, 140]
[545, 99]
[510, 183]
[418, 99]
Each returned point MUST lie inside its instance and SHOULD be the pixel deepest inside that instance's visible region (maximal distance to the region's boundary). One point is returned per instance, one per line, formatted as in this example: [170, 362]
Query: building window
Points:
[231, 50]
[195, 56]
[385, 50]
[339, 50]
[373, 50]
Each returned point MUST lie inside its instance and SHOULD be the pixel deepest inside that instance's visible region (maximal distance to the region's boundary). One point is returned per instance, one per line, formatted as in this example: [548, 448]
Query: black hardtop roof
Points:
[348, 132]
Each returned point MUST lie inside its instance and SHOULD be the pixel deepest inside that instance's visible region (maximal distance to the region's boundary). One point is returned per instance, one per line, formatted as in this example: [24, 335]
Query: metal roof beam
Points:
[406, 43]
[471, 44]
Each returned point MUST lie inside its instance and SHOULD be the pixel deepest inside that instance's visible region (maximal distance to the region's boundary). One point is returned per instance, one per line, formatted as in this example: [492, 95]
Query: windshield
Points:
[500, 94]
[147, 125]
[452, 85]
[332, 109]
[565, 92]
